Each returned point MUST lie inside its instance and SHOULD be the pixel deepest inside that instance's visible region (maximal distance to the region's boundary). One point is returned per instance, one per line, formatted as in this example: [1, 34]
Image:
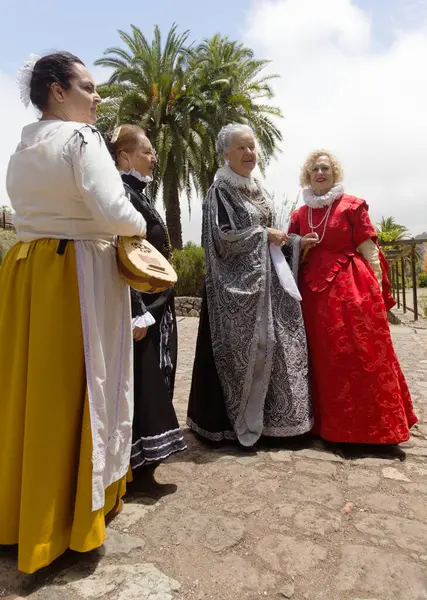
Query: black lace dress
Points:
[156, 433]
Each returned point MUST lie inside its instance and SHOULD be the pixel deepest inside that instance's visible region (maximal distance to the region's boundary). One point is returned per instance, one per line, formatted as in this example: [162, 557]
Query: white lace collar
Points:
[314, 201]
[227, 174]
[137, 175]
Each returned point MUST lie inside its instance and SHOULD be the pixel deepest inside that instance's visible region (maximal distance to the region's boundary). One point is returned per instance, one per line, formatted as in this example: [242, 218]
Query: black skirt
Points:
[207, 413]
[156, 432]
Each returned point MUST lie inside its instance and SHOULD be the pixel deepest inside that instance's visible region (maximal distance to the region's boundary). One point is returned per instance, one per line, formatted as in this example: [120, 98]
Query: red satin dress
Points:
[359, 393]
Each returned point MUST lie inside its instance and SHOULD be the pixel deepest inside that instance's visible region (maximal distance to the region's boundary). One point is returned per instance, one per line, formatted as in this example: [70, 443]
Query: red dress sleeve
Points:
[364, 230]
[294, 224]
[361, 223]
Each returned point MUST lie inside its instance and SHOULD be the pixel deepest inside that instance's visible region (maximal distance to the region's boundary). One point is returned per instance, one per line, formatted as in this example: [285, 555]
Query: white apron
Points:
[107, 335]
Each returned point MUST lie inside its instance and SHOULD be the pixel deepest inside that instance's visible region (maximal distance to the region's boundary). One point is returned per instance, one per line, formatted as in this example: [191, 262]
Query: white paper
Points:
[284, 272]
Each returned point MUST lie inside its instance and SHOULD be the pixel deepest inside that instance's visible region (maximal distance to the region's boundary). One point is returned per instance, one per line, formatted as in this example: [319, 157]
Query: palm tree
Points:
[228, 88]
[390, 231]
[182, 97]
[148, 87]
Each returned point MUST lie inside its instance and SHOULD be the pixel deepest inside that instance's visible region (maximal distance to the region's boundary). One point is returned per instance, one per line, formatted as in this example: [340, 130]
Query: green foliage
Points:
[148, 88]
[7, 239]
[190, 267]
[182, 96]
[106, 115]
[390, 231]
[228, 86]
[422, 280]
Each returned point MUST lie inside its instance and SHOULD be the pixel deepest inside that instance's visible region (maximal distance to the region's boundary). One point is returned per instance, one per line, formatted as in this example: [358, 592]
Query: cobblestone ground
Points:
[286, 522]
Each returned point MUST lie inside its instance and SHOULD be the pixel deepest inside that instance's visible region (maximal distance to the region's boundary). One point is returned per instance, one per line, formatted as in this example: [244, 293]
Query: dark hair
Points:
[54, 68]
[125, 138]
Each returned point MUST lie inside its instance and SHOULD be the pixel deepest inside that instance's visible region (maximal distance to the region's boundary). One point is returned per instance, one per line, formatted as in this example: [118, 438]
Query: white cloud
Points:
[338, 91]
[14, 117]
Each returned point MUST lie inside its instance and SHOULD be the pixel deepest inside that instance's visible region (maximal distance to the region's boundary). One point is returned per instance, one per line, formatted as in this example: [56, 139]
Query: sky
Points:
[352, 80]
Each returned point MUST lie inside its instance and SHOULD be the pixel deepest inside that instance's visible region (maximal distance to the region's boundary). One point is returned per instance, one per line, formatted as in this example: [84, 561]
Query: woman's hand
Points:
[275, 236]
[308, 241]
[139, 333]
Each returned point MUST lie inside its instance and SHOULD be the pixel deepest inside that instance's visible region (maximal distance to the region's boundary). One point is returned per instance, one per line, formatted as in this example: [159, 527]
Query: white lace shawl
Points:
[327, 199]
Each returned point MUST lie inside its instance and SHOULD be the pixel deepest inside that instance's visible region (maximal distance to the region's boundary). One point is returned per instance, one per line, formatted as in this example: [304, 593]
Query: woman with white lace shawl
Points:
[250, 371]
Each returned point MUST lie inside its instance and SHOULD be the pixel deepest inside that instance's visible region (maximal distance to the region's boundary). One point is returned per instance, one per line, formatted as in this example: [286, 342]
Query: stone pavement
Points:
[286, 522]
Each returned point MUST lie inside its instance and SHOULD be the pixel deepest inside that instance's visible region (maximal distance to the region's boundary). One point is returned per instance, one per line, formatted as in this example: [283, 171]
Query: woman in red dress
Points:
[359, 393]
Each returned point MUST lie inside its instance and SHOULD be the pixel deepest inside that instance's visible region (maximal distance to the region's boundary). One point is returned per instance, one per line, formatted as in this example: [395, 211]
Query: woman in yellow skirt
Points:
[65, 326]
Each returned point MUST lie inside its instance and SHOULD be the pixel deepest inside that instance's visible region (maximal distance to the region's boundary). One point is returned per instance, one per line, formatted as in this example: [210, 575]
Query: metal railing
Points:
[398, 254]
[6, 220]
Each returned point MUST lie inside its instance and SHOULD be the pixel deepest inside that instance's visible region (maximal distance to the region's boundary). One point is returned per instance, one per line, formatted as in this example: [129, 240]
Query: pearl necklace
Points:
[325, 220]
[261, 204]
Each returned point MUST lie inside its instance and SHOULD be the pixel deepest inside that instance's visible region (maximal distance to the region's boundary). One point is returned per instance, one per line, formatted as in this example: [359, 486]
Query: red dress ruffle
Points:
[359, 393]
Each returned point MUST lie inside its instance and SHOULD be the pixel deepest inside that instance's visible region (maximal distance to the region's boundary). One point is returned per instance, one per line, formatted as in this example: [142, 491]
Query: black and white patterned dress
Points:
[250, 375]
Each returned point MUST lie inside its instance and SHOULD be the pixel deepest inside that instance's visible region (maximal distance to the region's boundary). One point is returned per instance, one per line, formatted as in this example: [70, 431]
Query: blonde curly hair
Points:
[310, 160]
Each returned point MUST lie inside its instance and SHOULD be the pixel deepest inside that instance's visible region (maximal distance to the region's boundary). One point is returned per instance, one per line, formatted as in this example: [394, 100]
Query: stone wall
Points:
[188, 307]
[393, 319]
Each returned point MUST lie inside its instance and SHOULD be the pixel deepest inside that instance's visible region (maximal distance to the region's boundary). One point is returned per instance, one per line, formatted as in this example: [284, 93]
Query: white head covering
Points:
[24, 77]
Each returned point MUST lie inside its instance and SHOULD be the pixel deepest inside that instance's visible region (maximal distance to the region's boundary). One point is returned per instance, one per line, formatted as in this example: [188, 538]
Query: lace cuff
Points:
[143, 321]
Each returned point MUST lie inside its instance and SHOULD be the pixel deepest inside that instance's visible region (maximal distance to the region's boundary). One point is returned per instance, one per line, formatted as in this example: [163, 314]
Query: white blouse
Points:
[62, 183]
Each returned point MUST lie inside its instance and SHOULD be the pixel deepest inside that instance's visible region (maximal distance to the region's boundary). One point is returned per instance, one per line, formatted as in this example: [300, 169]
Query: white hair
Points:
[224, 136]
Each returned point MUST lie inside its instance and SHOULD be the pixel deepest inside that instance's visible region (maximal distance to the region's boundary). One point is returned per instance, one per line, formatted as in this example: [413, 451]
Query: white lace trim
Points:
[160, 436]
[214, 436]
[23, 79]
[143, 321]
[314, 201]
[137, 175]
[226, 173]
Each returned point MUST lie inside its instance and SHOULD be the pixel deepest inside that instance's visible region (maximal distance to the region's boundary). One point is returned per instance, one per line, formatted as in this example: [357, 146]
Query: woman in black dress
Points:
[156, 433]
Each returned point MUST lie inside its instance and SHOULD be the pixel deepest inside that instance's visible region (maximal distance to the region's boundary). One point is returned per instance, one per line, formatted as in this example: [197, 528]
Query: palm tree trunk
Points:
[211, 176]
[212, 172]
[173, 218]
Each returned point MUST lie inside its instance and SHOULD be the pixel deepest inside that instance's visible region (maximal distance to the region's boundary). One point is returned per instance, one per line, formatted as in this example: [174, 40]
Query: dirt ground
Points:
[287, 521]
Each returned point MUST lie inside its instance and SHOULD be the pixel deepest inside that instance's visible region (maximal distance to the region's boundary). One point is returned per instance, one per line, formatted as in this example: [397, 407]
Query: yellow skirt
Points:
[45, 434]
